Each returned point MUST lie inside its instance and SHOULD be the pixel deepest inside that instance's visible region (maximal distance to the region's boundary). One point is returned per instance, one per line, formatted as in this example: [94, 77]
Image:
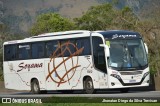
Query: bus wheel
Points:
[88, 86]
[35, 89]
[124, 90]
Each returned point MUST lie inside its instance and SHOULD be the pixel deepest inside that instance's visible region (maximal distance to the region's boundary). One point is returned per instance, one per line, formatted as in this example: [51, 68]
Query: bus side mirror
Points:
[146, 47]
[106, 49]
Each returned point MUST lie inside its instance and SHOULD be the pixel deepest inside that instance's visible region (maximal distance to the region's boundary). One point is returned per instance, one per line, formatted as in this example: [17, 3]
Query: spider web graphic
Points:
[73, 68]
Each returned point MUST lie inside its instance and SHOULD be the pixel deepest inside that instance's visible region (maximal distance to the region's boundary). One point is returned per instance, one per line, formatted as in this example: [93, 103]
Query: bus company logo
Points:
[69, 73]
[115, 36]
[23, 66]
[122, 36]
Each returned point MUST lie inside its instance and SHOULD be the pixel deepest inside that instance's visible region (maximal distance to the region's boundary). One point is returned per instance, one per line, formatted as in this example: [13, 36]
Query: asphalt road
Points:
[110, 94]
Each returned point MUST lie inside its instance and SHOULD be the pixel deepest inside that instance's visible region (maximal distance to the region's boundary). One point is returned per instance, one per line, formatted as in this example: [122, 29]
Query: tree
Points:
[150, 29]
[51, 22]
[105, 16]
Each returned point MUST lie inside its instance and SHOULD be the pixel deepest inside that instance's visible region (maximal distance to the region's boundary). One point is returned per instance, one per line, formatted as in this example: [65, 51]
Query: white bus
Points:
[76, 60]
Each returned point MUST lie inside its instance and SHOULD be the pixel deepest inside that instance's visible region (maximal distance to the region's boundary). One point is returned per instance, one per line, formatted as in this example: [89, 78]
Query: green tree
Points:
[51, 22]
[105, 16]
[150, 29]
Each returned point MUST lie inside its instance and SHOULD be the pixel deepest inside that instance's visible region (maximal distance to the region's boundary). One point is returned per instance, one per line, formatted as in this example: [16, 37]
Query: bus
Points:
[76, 60]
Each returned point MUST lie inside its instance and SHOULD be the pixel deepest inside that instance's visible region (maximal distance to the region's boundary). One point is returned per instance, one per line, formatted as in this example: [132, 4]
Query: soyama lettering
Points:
[23, 66]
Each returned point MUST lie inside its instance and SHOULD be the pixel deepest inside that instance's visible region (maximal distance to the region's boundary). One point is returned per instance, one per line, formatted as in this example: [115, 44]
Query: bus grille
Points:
[131, 73]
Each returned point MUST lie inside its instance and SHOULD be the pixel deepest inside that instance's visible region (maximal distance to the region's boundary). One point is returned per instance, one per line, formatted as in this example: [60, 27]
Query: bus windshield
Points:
[127, 54]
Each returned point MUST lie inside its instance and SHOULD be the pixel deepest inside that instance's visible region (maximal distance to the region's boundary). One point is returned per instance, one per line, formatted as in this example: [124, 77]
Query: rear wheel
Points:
[124, 90]
[88, 86]
[35, 89]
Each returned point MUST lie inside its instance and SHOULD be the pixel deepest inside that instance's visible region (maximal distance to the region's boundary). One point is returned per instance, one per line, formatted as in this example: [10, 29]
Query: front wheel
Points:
[35, 89]
[88, 86]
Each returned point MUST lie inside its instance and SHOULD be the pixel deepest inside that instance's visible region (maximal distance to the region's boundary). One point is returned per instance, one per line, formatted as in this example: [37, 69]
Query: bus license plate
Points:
[132, 81]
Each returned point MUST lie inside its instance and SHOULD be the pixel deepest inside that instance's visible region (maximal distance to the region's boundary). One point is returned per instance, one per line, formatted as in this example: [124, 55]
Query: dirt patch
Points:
[3, 89]
[1, 84]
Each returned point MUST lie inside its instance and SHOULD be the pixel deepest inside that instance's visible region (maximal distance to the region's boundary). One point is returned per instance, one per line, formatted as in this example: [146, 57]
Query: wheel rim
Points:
[89, 85]
[35, 86]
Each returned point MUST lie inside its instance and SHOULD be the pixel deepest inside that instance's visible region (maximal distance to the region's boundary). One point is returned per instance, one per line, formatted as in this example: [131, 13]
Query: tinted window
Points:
[52, 48]
[84, 43]
[49, 48]
[10, 52]
[68, 47]
[38, 50]
[23, 51]
[98, 54]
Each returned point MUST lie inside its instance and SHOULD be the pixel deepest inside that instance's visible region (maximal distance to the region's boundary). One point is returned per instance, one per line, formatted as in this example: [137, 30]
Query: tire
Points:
[124, 90]
[88, 86]
[35, 89]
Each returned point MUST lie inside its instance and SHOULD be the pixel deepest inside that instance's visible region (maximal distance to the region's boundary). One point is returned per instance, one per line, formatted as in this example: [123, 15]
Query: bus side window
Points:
[84, 43]
[10, 52]
[52, 48]
[38, 50]
[49, 48]
[68, 47]
[72, 46]
[23, 51]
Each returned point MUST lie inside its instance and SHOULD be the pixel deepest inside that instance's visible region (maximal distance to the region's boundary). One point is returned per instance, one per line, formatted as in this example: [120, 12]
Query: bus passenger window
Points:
[23, 51]
[84, 43]
[71, 47]
[10, 52]
[67, 47]
[52, 48]
[49, 47]
[38, 50]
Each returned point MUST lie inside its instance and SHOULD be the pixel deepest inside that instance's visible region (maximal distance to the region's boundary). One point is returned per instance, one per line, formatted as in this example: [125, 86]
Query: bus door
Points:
[99, 61]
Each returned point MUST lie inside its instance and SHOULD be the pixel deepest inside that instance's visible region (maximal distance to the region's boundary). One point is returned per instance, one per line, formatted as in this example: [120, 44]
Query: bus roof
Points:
[61, 33]
[50, 36]
[110, 34]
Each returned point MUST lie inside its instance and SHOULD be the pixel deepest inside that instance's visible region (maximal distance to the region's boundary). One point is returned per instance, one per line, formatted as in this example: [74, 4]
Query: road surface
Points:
[108, 93]
[111, 94]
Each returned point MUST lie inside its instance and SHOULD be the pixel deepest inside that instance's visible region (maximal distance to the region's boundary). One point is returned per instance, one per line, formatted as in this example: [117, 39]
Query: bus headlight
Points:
[116, 76]
[145, 74]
